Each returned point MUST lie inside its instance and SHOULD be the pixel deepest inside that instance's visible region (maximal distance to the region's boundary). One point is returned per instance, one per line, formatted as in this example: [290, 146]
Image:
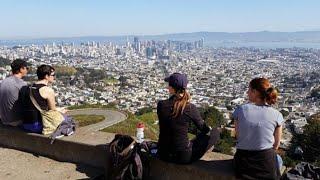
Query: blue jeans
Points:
[35, 127]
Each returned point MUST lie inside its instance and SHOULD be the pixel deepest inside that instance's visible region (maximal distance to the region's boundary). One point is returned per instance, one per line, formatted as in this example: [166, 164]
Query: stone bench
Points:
[90, 148]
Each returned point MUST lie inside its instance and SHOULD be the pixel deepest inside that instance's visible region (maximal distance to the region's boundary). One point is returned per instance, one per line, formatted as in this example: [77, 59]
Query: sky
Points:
[73, 18]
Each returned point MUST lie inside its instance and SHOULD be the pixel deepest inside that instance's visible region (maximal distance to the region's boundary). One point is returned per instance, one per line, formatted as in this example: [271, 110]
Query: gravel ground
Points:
[16, 165]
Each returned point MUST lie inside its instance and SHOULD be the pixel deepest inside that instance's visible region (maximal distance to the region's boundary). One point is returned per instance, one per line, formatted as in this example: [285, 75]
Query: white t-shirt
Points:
[256, 126]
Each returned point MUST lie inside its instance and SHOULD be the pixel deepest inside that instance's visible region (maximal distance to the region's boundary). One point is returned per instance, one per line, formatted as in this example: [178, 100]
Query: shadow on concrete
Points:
[223, 167]
[199, 170]
[94, 173]
[91, 172]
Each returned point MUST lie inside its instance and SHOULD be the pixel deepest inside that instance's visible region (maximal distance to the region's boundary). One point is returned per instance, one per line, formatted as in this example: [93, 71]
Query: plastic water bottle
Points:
[140, 133]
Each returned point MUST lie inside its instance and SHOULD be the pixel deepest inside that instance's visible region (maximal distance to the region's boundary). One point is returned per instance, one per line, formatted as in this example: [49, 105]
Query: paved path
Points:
[18, 165]
[111, 117]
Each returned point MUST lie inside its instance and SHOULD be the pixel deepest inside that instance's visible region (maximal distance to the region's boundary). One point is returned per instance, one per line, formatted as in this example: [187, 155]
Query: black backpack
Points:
[129, 160]
[302, 170]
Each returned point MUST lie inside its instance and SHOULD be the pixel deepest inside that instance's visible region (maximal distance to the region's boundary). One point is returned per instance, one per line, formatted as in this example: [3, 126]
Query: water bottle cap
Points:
[140, 125]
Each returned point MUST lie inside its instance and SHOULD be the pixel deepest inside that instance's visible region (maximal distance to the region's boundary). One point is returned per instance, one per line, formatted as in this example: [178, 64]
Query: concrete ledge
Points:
[69, 149]
[91, 149]
[211, 166]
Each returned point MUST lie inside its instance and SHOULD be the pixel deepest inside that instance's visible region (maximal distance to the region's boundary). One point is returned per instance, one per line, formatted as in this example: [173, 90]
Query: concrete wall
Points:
[91, 149]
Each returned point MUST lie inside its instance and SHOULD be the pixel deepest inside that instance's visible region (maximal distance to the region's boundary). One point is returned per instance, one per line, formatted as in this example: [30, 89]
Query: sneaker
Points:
[60, 136]
[70, 133]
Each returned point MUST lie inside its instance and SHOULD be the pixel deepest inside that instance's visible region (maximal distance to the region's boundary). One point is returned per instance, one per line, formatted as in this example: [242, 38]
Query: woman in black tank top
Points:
[43, 95]
[43, 103]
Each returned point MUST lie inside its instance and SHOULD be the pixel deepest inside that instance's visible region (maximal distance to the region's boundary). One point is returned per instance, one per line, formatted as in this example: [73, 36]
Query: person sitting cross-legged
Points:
[175, 115]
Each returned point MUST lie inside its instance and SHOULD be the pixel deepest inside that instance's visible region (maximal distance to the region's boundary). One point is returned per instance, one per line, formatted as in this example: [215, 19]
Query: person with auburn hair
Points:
[175, 115]
[258, 131]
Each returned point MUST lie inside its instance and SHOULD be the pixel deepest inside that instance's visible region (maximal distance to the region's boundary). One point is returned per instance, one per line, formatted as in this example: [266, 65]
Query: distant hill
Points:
[263, 36]
[209, 37]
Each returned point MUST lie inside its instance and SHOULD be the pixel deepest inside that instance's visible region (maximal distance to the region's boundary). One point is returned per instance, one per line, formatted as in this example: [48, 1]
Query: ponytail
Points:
[182, 98]
[271, 95]
[267, 93]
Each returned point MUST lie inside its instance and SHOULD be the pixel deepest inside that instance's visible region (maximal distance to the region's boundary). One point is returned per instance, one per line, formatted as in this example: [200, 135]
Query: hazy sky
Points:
[65, 18]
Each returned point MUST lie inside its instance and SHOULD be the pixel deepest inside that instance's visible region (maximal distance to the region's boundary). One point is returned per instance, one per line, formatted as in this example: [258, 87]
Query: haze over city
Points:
[108, 61]
[74, 18]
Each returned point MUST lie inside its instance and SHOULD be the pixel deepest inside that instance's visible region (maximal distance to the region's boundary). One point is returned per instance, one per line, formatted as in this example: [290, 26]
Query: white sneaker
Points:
[60, 136]
[70, 133]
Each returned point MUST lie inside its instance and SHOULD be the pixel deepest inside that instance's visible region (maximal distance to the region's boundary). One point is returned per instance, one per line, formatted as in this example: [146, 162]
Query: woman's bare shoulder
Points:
[46, 91]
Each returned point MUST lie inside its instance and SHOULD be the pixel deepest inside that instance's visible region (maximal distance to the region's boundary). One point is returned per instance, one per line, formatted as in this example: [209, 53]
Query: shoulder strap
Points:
[127, 149]
[34, 102]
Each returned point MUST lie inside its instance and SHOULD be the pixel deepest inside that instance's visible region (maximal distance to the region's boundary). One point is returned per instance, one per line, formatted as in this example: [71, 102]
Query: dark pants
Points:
[256, 164]
[197, 148]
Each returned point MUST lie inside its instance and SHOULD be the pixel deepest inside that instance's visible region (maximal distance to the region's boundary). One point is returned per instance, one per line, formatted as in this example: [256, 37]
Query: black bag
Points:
[303, 170]
[127, 159]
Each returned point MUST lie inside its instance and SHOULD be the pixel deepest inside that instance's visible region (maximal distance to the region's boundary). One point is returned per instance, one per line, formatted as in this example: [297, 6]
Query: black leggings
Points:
[198, 147]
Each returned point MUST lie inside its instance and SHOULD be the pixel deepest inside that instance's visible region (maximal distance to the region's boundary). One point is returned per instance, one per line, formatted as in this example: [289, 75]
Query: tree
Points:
[212, 116]
[315, 93]
[144, 110]
[284, 113]
[65, 71]
[112, 105]
[225, 143]
[309, 141]
[4, 62]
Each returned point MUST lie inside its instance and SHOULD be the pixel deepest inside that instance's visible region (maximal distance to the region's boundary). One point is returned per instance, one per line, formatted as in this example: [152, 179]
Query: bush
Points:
[224, 147]
[288, 162]
[315, 93]
[4, 62]
[309, 141]
[65, 71]
[144, 110]
[225, 143]
[212, 116]
[129, 126]
[284, 113]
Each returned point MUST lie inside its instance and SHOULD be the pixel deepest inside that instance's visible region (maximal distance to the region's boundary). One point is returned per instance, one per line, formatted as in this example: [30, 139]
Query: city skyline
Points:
[39, 19]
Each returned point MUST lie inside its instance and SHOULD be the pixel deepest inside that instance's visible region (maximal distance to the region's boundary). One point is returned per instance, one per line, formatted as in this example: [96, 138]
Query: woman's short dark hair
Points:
[44, 70]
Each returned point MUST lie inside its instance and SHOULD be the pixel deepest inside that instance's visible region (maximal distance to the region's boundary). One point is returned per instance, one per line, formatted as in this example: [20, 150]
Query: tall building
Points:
[148, 52]
[201, 42]
[118, 51]
[136, 44]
